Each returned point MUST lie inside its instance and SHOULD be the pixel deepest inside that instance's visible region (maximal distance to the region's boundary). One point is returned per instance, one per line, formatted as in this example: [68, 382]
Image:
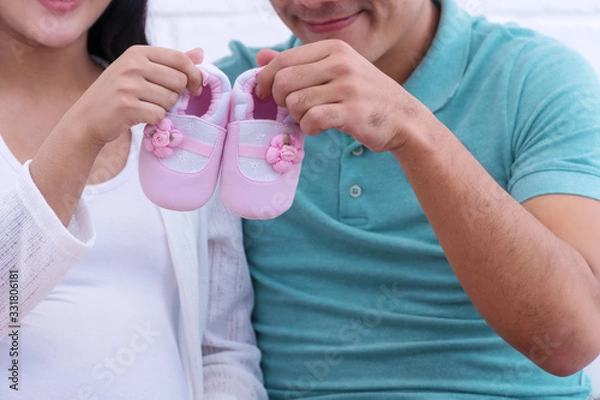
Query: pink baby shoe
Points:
[180, 157]
[262, 156]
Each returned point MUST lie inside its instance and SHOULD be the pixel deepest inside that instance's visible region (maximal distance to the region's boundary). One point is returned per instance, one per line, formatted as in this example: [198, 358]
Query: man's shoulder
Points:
[506, 41]
[524, 53]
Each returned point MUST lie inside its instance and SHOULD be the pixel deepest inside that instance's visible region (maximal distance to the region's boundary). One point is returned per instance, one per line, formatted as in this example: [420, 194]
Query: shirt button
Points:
[355, 191]
[358, 151]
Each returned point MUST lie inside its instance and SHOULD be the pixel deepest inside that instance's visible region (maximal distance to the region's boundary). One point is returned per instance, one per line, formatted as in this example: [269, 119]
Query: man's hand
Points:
[327, 85]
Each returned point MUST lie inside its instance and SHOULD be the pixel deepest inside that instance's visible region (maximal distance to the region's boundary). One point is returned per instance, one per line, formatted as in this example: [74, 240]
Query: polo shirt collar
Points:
[438, 75]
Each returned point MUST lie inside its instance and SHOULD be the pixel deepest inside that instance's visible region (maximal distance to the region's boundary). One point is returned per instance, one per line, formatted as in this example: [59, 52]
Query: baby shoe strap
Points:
[252, 151]
[196, 146]
[277, 144]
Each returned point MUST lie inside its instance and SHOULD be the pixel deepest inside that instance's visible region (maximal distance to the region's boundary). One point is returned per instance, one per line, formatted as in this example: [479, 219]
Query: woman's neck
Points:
[32, 69]
[37, 86]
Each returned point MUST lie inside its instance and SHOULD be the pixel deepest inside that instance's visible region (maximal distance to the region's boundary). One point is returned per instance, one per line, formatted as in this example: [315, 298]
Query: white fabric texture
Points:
[226, 334]
[114, 313]
[35, 242]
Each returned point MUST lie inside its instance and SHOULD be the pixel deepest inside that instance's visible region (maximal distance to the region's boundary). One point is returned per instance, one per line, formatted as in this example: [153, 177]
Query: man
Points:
[443, 242]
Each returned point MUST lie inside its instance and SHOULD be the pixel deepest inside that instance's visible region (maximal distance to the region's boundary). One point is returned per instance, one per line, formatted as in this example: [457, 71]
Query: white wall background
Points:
[185, 24]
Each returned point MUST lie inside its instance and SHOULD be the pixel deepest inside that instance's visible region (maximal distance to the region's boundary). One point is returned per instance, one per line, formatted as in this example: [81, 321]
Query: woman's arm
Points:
[230, 356]
[44, 228]
[36, 250]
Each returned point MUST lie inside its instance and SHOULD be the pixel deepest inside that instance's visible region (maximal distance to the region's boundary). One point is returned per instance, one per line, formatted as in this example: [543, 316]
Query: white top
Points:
[216, 343]
[109, 327]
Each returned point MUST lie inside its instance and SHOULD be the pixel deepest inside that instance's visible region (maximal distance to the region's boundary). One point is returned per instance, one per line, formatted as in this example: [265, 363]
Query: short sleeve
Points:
[556, 142]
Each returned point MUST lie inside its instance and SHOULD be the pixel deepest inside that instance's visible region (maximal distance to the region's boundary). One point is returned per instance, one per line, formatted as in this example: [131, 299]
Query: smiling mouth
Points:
[331, 25]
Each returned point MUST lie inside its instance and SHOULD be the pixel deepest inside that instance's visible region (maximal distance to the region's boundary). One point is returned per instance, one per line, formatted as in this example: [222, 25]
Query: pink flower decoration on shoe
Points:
[160, 139]
[284, 152]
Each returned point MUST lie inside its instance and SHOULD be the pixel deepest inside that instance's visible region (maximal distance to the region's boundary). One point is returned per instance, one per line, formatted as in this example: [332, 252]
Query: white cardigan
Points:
[216, 339]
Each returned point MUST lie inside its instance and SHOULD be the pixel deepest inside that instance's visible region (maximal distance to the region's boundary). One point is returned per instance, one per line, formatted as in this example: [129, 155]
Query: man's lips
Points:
[331, 25]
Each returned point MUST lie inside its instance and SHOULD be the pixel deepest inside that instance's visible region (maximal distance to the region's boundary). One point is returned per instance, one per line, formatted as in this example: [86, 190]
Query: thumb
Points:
[196, 55]
[265, 56]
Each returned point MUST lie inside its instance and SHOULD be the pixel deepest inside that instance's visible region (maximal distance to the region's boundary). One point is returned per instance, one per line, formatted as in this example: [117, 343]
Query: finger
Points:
[196, 55]
[300, 101]
[320, 118]
[158, 95]
[306, 54]
[179, 61]
[297, 78]
[167, 77]
[149, 113]
[264, 56]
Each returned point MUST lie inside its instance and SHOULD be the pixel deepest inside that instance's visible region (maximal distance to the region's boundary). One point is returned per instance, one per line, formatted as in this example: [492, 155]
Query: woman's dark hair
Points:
[122, 25]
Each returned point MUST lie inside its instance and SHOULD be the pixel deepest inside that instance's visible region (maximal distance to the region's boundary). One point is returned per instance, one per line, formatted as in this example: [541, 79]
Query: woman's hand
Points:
[138, 87]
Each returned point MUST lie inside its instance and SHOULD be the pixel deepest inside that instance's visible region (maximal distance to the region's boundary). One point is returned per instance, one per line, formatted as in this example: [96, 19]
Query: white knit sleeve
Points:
[36, 250]
[230, 356]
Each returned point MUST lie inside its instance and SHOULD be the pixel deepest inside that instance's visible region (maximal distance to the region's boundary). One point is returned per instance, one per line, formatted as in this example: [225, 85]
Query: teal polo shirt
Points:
[354, 296]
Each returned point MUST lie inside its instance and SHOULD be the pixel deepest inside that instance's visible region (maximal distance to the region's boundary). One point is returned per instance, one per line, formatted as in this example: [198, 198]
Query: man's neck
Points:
[401, 62]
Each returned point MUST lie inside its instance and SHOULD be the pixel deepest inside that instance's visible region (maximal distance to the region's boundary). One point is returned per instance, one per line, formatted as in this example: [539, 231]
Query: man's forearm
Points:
[533, 289]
